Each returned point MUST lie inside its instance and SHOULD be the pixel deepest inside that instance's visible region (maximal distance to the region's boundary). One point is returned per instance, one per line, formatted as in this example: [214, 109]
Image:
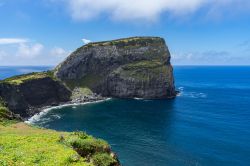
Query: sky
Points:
[197, 32]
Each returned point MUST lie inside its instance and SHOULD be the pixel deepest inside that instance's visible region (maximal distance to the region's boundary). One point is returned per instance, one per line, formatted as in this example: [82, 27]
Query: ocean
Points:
[207, 124]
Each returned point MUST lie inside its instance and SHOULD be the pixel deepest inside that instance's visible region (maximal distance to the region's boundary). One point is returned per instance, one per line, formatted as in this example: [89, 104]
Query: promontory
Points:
[135, 67]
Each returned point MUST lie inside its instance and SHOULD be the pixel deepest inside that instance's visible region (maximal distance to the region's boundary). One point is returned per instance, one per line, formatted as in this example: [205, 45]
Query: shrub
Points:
[103, 159]
[87, 145]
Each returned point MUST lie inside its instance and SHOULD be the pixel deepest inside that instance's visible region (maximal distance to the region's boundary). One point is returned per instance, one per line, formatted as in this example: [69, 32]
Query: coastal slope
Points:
[26, 94]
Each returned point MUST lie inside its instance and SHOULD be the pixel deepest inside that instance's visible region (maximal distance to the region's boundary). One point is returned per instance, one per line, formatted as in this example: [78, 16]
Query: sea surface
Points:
[208, 124]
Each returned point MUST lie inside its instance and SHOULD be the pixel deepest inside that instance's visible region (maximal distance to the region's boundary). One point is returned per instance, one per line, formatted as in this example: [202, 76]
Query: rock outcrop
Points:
[25, 94]
[126, 68]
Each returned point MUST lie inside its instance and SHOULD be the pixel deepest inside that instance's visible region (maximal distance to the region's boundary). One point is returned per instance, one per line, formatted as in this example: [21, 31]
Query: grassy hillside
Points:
[24, 145]
[26, 77]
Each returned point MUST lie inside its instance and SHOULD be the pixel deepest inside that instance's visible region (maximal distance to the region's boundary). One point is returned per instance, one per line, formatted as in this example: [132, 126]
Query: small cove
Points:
[207, 124]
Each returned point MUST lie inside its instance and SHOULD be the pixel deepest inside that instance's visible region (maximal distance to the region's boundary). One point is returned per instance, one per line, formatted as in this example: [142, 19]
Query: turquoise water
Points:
[208, 124]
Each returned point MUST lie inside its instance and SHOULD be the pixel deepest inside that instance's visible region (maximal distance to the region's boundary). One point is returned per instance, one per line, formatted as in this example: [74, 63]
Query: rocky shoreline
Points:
[82, 100]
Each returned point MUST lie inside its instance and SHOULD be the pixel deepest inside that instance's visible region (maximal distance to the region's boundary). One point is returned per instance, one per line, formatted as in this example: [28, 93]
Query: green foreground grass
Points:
[25, 145]
[21, 145]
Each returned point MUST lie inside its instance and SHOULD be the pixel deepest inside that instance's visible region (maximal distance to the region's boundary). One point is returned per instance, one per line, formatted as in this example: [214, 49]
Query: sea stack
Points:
[125, 68]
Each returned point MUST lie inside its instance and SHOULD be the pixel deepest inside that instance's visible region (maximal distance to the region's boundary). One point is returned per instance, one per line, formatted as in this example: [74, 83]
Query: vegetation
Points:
[143, 70]
[103, 159]
[143, 65]
[79, 92]
[6, 117]
[21, 144]
[16, 80]
[125, 42]
[128, 41]
[87, 82]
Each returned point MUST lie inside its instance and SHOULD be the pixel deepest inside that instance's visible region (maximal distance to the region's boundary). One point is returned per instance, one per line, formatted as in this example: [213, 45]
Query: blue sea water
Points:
[207, 124]
[8, 71]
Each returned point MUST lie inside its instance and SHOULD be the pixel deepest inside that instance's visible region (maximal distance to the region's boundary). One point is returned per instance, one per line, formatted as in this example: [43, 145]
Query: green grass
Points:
[143, 70]
[6, 116]
[81, 92]
[143, 65]
[24, 145]
[125, 43]
[128, 41]
[87, 82]
[21, 144]
[87, 145]
[103, 159]
[16, 80]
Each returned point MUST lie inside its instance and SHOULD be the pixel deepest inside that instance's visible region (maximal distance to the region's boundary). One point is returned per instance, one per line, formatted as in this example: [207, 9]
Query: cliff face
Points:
[131, 67]
[25, 94]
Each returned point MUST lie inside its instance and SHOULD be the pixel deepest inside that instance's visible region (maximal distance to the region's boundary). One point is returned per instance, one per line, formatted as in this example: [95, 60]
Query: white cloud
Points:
[12, 41]
[29, 51]
[150, 10]
[59, 52]
[202, 58]
[3, 54]
[86, 41]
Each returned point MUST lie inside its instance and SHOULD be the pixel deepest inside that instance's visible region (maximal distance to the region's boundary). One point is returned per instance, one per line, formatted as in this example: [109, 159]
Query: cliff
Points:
[25, 94]
[126, 68]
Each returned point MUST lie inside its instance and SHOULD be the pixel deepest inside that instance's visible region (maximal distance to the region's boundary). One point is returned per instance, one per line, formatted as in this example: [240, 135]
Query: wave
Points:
[191, 94]
[136, 98]
[37, 117]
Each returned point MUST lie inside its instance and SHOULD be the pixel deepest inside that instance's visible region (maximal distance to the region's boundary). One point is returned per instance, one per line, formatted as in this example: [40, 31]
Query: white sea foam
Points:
[136, 98]
[181, 88]
[191, 94]
[194, 94]
[38, 116]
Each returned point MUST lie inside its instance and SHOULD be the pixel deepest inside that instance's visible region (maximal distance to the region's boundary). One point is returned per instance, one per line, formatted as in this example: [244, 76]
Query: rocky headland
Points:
[136, 67]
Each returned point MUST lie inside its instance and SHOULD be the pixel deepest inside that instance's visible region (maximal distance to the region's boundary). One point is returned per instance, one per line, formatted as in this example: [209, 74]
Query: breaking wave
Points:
[191, 94]
[37, 117]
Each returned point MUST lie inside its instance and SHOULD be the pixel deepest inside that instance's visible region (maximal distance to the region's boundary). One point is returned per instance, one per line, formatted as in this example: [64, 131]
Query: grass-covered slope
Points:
[143, 70]
[17, 80]
[21, 144]
[6, 117]
[26, 94]
[128, 42]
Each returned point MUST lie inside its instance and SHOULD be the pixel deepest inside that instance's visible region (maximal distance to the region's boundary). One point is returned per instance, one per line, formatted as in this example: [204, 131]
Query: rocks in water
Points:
[126, 68]
[81, 95]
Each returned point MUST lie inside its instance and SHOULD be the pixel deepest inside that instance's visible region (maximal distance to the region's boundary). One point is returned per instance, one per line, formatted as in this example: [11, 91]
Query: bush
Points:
[86, 145]
[81, 134]
[103, 159]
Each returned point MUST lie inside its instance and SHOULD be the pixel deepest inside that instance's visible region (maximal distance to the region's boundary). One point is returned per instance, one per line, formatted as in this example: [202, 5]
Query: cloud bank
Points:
[150, 10]
[15, 51]
[12, 41]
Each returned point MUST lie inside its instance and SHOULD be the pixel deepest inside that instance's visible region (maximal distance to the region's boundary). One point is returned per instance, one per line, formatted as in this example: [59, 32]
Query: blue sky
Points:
[197, 32]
